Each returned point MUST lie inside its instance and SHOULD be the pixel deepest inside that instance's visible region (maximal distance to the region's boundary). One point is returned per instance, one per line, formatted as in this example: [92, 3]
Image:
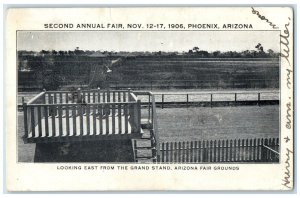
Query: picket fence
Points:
[241, 150]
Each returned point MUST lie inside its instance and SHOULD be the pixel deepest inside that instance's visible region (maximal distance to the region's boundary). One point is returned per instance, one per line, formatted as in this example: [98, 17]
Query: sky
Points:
[147, 40]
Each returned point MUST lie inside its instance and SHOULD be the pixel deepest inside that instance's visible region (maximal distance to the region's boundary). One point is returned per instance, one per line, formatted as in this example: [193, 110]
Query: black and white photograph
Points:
[148, 96]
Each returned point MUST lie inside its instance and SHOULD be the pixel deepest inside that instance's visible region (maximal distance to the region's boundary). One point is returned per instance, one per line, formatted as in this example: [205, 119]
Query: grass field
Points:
[186, 124]
[160, 72]
[210, 73]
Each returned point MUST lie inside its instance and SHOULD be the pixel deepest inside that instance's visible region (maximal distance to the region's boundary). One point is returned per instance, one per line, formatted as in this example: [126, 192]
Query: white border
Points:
[113, 2]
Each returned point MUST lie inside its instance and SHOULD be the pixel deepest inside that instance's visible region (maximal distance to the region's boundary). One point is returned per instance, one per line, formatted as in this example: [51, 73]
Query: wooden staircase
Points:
[145, 147]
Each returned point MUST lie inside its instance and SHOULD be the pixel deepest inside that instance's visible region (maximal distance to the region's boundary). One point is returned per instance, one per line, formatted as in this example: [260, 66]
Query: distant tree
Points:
[158, 53]
[203, 53]
[259, 48]
[195, 49]
[246, 54]
[216, 53]
[61, 53]
[79, 52]
[45, 52]
[53, 52]
[71, 53]
[253, 53]
[271, 52]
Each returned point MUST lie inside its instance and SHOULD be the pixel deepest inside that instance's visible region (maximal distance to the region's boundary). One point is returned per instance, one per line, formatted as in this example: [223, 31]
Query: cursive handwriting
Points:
[263, 18]
[288, 79]
[287, 173]
[288, 115]
[284, 40]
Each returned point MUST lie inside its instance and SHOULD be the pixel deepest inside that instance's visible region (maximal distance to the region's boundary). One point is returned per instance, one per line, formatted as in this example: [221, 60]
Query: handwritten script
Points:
[288, 115]
[284, 40]
[288, 79]
[263, 18]
[287, 174]
[285, 53]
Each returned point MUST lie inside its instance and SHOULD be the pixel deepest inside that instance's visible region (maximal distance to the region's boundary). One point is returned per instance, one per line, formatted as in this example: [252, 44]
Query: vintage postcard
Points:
[164, 98]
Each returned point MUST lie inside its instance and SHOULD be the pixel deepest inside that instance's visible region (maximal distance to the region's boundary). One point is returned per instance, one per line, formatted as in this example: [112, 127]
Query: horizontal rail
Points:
[170, 81]
[187, 84]
[82, 104]
[143, 93]
[88, 91]
[199, 93]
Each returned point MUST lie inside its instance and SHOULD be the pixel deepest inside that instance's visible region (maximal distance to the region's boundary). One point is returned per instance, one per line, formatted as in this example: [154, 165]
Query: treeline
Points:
[257, 52]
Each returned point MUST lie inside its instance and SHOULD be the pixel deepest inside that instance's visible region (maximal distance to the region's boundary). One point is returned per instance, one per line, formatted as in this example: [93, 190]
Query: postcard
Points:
[149, 98]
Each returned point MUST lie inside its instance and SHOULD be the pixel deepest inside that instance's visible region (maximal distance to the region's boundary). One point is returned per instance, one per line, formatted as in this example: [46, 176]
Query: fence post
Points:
[108, 95]
[211, 99]
[162, 101]
[235, 99]
[167, 152]
[44, 96]
[258, 98]
[138, 116]
[187, 100]
[149, 108]
[163, 152]
[25, 117]
[153, 146]
[204, 151]
[264, 151]
[128, 92]
[135, 150]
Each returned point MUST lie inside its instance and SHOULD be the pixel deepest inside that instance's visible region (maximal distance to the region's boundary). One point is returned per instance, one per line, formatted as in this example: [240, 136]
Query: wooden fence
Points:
[245, 150]
[90, 96]
[56, 116]
[202, 84]
[218, 98]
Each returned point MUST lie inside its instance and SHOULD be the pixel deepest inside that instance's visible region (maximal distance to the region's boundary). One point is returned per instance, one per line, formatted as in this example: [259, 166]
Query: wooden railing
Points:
[90, 96]
[211, 98]
[56, 115]
[245, 150]
[151, 116]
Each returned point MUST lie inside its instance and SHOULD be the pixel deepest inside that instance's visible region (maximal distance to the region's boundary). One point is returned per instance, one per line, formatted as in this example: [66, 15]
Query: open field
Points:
[197, 73]
[151, 72]
[187, 124]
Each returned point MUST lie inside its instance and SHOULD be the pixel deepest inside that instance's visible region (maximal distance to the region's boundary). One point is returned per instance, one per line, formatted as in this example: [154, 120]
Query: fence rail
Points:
[164, 100]
[241, 150]
[91, 96]
[188, 84]
[54, 115]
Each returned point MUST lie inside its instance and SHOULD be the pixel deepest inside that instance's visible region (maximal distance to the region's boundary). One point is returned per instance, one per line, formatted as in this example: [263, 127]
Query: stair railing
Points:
[152, 116]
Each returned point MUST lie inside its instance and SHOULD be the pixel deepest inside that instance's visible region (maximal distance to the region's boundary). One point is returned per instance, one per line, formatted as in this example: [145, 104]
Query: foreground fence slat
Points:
[245, 150]
[60, 116]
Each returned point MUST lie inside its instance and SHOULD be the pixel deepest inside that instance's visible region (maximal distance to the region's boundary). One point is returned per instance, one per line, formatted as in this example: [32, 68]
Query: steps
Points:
[145, 147]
